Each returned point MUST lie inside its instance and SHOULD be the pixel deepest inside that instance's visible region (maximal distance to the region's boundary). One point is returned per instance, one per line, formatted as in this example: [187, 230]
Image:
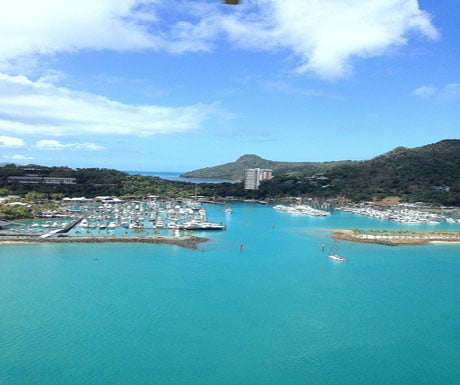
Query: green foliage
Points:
[15, 212]
[430, 174]
[34, 196]
[234, 171]
[139, 185]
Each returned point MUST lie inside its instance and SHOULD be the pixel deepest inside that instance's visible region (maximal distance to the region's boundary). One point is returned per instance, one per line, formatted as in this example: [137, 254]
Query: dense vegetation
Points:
[89, 182]
[430, 174]
[235, 170]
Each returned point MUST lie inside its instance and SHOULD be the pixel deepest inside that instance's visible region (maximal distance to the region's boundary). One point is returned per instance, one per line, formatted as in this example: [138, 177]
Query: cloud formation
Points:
[18, 157]
[55, 145]
[49, 26]
[9, 141]
[446, 93]
[324, 36]
[38, 107]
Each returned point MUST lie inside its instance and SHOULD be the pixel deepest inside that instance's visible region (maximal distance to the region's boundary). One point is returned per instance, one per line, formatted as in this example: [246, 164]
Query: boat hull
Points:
[337, 258]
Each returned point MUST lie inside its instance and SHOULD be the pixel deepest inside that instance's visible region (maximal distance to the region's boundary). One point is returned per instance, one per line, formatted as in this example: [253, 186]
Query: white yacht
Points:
[334, 255]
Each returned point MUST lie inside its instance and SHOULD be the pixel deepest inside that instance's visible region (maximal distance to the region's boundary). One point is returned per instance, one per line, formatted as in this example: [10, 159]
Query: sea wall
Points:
[185, 241]
[396, 238]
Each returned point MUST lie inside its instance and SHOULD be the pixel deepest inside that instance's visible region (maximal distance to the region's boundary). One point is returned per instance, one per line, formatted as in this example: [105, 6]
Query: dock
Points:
[64, 230]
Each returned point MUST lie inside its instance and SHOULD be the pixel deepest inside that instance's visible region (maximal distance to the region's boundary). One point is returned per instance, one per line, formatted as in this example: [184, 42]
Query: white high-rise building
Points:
[253, 177]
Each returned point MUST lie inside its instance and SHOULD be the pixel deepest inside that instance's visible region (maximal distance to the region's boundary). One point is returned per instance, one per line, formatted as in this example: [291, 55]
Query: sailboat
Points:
[334, 255]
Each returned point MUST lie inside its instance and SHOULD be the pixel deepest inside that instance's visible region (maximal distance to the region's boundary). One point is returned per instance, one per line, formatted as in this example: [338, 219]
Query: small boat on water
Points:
[334, 254]
[197, 225]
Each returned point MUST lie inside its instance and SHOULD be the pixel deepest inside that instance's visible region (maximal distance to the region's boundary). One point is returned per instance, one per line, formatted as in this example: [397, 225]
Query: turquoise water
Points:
[278, 312]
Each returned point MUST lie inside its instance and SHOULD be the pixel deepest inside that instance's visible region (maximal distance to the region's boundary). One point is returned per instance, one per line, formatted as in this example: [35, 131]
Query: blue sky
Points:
[179, 85]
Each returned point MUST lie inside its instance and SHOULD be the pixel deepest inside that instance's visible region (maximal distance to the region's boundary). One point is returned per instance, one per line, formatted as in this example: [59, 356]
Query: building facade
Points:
[253, 177]
[34, 179]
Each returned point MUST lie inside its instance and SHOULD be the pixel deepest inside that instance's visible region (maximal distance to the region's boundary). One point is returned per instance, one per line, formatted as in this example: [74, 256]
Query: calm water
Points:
[176, 176]
[279, 312]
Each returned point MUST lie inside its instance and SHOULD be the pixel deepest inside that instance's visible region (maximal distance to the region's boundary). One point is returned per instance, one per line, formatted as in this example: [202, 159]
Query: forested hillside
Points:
[235, 170]
[429, 173]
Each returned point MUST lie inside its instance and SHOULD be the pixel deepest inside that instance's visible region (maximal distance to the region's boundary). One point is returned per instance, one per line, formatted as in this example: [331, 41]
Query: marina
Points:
[260, 302]
[109, 216]
[301, 210]
[405, 213]
[161, 220]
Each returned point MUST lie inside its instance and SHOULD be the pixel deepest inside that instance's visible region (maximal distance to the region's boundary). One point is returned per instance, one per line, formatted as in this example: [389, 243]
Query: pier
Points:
[64, 230]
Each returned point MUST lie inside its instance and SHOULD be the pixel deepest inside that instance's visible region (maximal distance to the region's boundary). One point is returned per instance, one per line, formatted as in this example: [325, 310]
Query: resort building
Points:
[253, 177]
[34, 179]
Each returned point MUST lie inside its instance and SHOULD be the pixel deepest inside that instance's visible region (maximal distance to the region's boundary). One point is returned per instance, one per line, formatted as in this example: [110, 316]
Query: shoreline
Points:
[396, 238]
[190, 242]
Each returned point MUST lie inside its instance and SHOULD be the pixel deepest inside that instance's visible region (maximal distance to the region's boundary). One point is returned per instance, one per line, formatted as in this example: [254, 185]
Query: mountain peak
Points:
[249, 158]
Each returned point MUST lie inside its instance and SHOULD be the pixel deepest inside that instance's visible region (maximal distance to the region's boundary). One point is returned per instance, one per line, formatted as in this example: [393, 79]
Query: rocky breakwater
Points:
[394, 238]
[189, 241]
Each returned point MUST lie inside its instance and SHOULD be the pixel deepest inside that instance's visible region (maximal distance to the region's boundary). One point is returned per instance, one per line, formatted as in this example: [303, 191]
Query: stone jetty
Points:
[394, 238]
[184, 241]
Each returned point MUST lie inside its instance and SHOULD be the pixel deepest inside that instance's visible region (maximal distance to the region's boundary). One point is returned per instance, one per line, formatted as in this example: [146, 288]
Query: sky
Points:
[160, 85]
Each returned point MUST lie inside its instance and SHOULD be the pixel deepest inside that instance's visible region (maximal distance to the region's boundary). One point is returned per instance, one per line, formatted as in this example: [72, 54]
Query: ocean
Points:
[259, 303]
[176, 177]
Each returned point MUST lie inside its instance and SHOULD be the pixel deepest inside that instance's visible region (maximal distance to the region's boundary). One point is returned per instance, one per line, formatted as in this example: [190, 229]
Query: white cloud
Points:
[9, 141]
[50, 26]
[51, 144]
[446, 93]
[323, 35]
[450, 92]
[424, 91]
[39, 107]
[18, 157]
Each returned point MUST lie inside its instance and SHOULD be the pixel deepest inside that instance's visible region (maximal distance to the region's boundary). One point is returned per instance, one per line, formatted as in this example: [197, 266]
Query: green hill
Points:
[235, 170]
[428, 173]
[425, 173]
